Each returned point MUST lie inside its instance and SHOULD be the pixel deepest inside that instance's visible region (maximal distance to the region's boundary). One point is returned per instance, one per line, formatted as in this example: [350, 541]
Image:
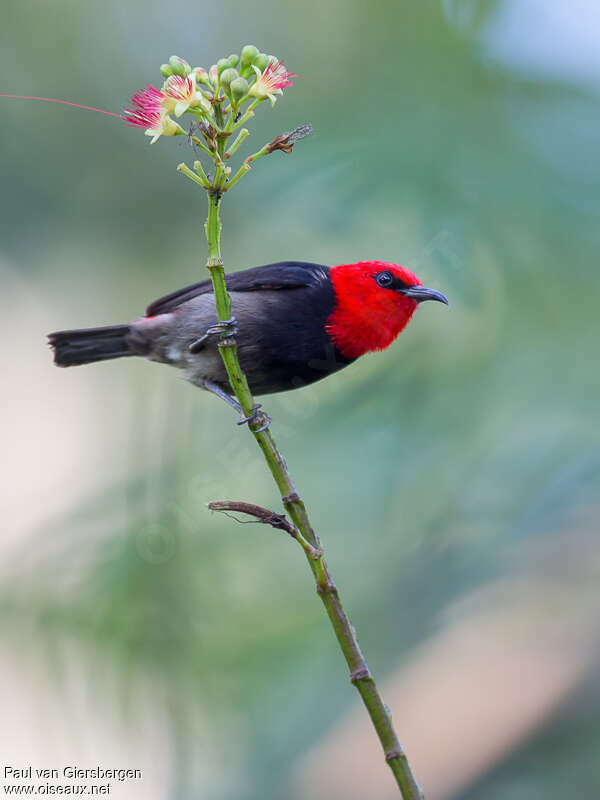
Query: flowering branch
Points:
[217, 100]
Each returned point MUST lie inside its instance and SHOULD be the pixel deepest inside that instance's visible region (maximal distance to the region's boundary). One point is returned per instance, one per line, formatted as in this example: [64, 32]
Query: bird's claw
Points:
[251, 416]
[266, 423]
[256, 415]
[225, 327]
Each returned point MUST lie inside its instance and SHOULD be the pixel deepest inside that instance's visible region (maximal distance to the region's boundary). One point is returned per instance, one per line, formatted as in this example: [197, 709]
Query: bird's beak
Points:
[420, 293]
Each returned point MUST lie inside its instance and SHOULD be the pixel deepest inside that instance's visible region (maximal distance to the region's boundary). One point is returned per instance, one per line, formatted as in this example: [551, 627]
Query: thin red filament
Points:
[64, 102]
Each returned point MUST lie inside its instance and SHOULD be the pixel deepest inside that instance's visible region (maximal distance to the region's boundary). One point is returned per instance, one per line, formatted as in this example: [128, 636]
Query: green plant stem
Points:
[360, 675]
[242, 135]
[248, 114]
[201, 145]
[201, 173]
[200, 178]
[245, 167]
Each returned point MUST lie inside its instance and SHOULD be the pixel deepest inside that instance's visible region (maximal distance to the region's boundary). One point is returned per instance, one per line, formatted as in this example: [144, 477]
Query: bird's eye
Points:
[384, 279]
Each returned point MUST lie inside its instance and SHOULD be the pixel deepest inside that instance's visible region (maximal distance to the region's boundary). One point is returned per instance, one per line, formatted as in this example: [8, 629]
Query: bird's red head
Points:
[374, 302]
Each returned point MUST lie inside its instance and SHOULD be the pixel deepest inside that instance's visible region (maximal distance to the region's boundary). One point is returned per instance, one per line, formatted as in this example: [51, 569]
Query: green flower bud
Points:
[227, 76]
[262, 61]
[201, 75]
[249, 53]
[234, 60]
[166, 70]
[222, 64]
[238, 89]
[179, 66]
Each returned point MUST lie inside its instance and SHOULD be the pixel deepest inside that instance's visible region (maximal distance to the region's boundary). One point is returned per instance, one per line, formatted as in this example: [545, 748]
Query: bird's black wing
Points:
[282, 275]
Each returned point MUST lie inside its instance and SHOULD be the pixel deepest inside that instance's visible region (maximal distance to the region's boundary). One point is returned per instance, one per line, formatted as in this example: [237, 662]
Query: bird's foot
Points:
[226, 327]
[256, 415]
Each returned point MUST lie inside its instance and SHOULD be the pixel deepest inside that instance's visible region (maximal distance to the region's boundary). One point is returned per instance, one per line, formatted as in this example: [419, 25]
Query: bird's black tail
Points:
[89, 345]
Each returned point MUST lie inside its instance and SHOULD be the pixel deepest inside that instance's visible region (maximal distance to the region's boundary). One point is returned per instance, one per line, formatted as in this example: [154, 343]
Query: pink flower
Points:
[147, 107]
[271, 81]
[180, 94]
[148, 112]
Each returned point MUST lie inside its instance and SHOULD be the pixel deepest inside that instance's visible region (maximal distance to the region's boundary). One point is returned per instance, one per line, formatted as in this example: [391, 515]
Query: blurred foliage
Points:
[422, 466]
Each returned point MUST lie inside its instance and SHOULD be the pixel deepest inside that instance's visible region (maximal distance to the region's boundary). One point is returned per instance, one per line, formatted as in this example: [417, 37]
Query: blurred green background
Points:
[453, 478]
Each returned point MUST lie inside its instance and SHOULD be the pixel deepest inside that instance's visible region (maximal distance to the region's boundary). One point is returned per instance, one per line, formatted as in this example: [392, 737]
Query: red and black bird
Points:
[295, 323]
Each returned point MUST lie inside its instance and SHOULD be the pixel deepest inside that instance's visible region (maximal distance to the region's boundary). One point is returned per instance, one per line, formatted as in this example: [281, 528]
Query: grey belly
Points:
[268, 366]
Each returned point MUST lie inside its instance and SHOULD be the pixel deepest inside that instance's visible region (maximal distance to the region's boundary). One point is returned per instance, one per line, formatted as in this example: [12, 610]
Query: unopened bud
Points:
[238, 89]
[249, 54]
[166, 70]
[234, 60]
[212, 73]
[222, 64]
[179, 66]
[227, 76]
[262, 61]
[201, 75]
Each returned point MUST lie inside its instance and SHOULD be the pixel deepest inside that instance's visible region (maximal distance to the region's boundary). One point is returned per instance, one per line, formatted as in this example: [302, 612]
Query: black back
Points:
[280, 275]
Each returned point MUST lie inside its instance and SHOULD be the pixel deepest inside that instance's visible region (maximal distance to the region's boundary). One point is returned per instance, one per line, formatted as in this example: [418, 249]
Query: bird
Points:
[295, 322]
